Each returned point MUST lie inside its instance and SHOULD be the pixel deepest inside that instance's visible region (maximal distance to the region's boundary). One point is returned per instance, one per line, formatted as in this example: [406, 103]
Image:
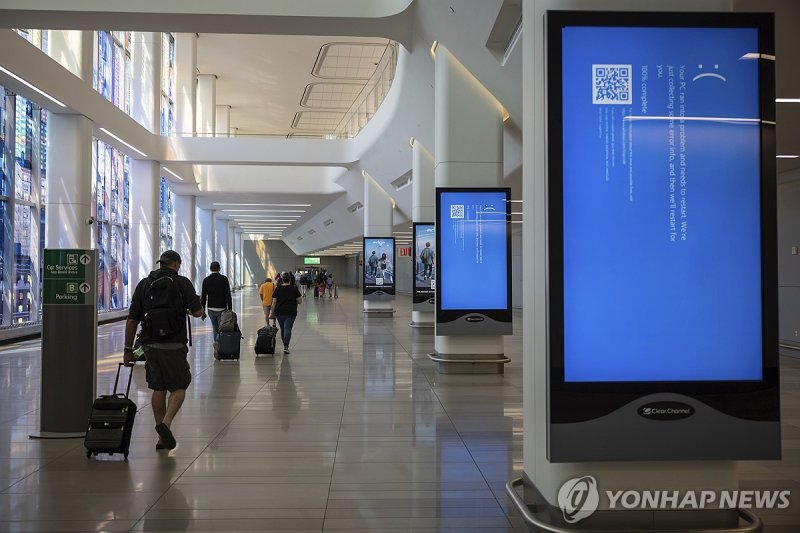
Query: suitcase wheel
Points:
[126, 456]
[88, 454]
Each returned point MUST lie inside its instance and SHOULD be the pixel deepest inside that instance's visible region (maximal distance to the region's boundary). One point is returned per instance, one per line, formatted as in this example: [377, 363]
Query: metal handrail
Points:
[754, 522]
[503, 360]
[384, 72]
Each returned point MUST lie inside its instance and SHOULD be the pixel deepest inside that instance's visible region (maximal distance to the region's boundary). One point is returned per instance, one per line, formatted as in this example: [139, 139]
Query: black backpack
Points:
[163, 306]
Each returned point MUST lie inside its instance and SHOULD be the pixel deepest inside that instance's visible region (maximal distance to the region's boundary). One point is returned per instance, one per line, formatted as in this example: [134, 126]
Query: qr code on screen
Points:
[456, 211]
[611, 84]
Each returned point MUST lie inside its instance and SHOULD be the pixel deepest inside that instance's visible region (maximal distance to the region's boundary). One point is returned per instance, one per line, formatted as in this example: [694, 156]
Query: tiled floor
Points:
[354, 431]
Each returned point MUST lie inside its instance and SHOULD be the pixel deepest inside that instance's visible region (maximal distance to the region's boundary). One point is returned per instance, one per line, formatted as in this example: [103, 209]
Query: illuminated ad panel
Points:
[424, 265]
[473, 296]
[662, 216]
[379, 266]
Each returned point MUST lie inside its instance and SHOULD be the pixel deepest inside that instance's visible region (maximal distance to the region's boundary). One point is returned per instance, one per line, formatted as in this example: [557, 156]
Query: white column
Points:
[378, 222]
[69, 182]
[145, 233]
[423, 209]
[74, 50]
[223, 126]
[206, 110]
[185, 233]
[469, 153]
[146, 82]
[204, 243]
[229, 249]
[185, 83]
[548, 477]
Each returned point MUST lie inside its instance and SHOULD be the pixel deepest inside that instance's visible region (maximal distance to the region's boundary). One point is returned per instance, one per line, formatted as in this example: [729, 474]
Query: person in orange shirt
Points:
[265, 291]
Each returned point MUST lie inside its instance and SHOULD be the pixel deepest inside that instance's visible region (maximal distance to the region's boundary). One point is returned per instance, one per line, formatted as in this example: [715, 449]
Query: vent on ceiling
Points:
[317, 120]
[328, 222]
[330, 95]
[403, 181]
[300, 238]
[350, 61]
[312, 231]
[358, 206]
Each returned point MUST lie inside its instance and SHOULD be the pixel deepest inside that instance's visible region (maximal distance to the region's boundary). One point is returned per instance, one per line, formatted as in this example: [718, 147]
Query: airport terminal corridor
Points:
[353, 431]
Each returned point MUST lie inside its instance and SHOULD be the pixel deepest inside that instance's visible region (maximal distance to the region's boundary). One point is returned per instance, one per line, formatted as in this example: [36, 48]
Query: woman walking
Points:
[284, 307]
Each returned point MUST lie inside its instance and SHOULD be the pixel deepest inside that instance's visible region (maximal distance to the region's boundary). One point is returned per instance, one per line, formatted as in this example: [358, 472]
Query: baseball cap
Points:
[169, 257]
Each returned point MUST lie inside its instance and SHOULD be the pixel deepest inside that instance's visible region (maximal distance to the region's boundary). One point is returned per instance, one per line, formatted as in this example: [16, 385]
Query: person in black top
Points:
[284, 308]
[216, 295]
[159, 303]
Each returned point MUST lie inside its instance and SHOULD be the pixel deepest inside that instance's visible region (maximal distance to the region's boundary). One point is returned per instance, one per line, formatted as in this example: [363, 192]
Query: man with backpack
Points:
[216, 297]
[160, 304]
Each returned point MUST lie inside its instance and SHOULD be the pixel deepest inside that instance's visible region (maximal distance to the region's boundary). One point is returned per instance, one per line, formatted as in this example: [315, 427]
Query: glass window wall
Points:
[167, 83]
[114, 68]
[167, 218]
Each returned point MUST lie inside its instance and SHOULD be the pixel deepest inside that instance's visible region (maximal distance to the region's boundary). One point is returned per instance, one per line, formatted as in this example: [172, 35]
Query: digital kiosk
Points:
[424, 267]
[379, 269]
[663, 337]
[473, 269]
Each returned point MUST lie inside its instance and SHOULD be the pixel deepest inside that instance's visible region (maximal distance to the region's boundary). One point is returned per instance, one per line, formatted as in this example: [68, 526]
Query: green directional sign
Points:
[69, 276]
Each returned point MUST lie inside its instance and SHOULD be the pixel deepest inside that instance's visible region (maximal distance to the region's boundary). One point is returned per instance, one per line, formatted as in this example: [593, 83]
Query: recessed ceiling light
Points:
[787, 156]
[788, 100]
[268, 205]
[123, 142]
[262, 210]
[171, 172]
[35, 88]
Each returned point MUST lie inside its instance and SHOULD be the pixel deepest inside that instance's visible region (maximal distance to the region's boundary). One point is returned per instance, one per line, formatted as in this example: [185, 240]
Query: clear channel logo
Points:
[578, 498]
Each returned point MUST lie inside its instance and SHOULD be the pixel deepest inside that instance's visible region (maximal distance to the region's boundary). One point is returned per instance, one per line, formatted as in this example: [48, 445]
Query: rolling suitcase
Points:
[111, 422]
[229, 342]
[265, 342]
[316, 291]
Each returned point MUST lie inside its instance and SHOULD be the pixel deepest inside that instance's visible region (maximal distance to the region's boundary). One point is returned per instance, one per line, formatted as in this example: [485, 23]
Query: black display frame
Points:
[451, 315]
[384, 289]
[418, 295]
[571, 402]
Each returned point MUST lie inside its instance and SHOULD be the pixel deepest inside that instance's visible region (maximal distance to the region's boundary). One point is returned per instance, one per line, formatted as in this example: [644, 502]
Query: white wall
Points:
[204, 239]
[788, 263]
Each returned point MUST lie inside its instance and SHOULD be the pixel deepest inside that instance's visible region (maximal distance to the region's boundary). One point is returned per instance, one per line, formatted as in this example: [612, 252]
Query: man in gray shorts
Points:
[160, 303]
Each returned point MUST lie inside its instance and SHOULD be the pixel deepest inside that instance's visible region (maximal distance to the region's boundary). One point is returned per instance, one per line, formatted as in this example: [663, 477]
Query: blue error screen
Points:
[473, 254]
[661, 204]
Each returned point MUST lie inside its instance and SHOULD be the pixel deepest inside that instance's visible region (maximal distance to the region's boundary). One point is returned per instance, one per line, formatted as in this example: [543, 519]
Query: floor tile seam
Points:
[41, 466]
[469, 451]
[189, 465]
[341, 419]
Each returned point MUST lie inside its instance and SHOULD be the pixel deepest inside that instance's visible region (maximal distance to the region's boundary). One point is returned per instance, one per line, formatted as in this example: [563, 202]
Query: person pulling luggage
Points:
[216, 295]
[284, 307]
[159, 304]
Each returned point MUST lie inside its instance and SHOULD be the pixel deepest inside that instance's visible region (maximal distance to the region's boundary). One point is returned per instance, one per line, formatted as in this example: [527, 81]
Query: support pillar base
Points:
[480, 363]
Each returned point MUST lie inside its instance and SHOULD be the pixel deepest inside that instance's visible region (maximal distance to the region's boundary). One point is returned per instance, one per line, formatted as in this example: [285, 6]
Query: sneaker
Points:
[286, 350]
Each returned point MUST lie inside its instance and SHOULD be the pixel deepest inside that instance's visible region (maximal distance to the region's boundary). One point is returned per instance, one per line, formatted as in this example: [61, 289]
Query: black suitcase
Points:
[265, 342]
[111, 422]
[229, 342]
[316, 291]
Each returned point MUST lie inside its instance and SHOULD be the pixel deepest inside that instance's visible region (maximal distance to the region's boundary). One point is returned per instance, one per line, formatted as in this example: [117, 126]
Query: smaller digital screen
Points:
[474, 250]
[378, 262]
[424, 261]
[311, 260]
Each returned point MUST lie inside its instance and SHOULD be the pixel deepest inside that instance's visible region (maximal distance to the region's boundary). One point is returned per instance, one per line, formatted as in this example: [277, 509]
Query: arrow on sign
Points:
[85, 259]
[85, 287]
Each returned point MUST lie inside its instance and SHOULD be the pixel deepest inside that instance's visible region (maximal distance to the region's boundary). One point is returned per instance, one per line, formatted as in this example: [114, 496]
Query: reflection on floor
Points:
[354, 431]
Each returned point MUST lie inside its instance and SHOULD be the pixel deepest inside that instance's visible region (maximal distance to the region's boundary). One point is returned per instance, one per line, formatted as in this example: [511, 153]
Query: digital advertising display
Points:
[473, 295]
[661, 205]
[379, 266]
[424, 266]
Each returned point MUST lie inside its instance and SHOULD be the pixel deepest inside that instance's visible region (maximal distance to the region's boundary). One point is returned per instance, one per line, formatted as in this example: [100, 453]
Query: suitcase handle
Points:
[116, 381]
